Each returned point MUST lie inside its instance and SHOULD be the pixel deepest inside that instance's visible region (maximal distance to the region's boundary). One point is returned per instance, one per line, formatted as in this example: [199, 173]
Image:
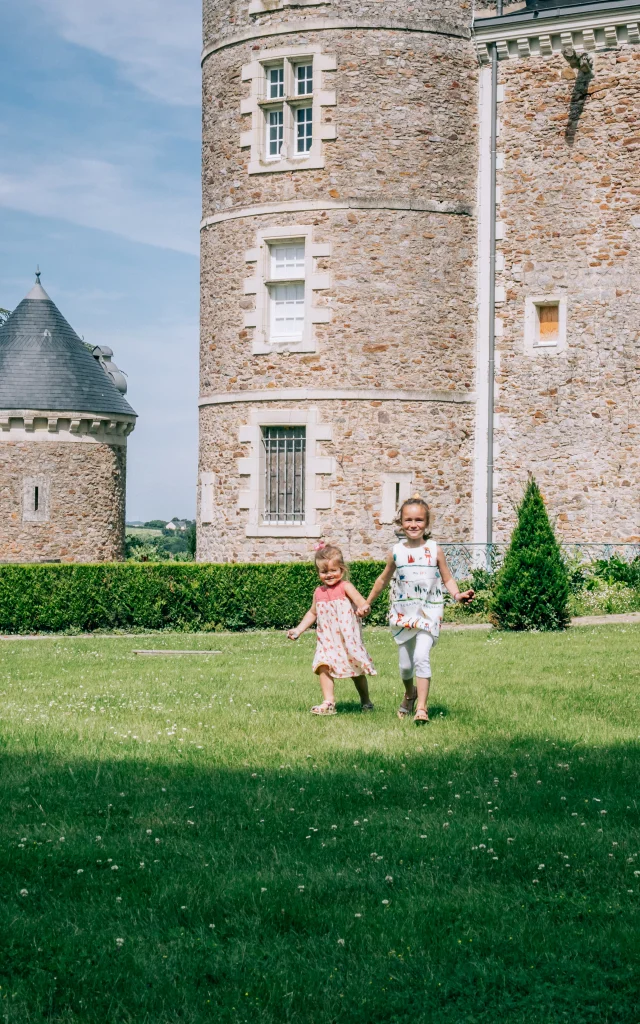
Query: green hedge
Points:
[156, 595]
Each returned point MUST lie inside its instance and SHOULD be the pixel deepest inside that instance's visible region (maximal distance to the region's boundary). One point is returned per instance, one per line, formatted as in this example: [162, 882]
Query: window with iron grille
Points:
[285, 450]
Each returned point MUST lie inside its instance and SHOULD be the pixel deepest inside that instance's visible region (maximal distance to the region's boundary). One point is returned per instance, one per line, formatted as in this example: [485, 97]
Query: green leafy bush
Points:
[532, 588]
[164, 595]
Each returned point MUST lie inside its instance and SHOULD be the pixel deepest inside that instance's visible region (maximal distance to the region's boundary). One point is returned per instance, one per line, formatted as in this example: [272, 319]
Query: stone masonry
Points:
[570, 200]
[391, 376]
[84, 487]
[391, 215]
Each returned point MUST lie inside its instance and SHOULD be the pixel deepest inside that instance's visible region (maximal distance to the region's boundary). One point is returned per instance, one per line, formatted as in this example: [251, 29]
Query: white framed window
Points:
[545, 323]
[286, 106]
[279, 478]
[286, 287]
[287, 301]
[35, 499]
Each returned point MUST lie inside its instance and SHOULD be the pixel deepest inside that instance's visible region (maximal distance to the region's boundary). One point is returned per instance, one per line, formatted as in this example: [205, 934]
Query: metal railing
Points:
[463, 558]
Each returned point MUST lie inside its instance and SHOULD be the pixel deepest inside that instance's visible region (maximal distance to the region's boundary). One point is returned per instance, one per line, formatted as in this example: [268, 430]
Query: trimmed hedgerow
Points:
[157, 595]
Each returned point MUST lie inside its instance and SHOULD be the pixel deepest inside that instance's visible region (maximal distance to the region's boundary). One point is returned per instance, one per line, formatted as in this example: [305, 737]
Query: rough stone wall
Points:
[232, 18]
[571, 205]
[402, 298]
[402, 289]
[87, 502]
[406, 122]
[434, 440]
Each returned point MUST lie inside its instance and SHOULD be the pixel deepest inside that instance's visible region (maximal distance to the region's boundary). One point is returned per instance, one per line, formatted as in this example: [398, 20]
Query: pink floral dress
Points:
[339, 633]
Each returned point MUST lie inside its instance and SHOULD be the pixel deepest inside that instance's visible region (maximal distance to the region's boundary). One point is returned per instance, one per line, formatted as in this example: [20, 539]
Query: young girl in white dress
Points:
[340, 652]
[417, 604]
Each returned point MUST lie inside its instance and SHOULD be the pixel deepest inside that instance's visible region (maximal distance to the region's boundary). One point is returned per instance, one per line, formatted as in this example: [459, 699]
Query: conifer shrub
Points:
[532, 587]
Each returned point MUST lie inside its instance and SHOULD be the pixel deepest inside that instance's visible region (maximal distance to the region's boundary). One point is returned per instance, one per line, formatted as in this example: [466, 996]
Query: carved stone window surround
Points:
[258, 285]
[255, 137]
[251, 496]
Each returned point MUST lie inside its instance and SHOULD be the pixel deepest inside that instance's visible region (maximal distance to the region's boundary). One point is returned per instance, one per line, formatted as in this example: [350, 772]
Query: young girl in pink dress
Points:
[340, 651]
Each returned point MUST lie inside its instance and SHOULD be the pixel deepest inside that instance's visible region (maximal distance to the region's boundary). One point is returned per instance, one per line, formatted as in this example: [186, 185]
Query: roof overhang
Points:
[588, 27]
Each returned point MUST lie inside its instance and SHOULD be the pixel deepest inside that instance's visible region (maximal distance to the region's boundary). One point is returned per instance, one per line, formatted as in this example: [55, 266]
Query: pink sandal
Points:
[326, 708]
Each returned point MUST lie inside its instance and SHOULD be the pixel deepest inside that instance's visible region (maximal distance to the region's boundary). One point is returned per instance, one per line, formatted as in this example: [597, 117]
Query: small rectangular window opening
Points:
[548, 323]
[397, 494]
[36, 498]
[284, 474]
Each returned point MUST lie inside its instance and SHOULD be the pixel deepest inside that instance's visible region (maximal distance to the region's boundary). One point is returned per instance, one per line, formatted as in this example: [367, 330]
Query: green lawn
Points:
[182, 842]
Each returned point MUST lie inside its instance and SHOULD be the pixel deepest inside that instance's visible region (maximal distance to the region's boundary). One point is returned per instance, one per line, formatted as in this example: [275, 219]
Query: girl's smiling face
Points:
[414, 522]
[330, 572]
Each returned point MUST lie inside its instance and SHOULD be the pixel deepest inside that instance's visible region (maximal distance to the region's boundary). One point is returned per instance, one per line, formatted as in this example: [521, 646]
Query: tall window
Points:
[288, 123]
[287, 290]
[284, 474]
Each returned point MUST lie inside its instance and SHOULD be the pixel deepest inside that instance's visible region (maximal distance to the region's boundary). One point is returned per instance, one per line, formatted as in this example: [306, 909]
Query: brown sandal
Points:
[326, 708]
[404, 712]
[421, 717]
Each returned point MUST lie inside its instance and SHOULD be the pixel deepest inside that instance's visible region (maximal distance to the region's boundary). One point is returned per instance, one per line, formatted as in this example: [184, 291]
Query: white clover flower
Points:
[540, 867]
[114, 867]
[357, 915]
[98, 839]
[263, 889]
[385, 902]
[61, 839]
[212, 925]
[535, 881]
[301, 887]
[445, 824]
[24, 892]
[341, 942]
[141, 863]
[119, 942]
[80, 871]
[149, 831]
[388, 878]
[333, 826]
[157, 841]
[356, 823]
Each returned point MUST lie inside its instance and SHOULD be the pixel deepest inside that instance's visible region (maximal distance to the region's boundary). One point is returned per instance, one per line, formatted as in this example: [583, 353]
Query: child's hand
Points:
[465, 596]
[363, 610]
[293, 634]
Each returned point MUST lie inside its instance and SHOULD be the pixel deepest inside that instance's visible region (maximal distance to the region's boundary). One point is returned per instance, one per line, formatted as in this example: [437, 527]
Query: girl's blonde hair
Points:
[415, 500]
[329, 553]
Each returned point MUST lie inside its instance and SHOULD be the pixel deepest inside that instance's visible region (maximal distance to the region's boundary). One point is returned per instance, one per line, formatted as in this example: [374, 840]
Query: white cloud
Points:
[98, 194]
[156, 42]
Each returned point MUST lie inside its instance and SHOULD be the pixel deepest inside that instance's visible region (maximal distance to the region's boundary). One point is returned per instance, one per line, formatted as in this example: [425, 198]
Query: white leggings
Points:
[415, 656]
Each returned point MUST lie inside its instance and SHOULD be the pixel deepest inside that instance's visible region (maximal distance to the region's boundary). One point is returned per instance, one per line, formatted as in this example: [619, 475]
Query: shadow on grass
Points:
[432, 888]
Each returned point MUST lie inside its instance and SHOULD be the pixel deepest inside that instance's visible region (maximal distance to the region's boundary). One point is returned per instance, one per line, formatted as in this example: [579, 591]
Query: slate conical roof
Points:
[44, 365]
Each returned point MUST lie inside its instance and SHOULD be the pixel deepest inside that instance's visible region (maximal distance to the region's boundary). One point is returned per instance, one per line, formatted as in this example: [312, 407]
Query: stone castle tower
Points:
[350, 322]
[64, 424]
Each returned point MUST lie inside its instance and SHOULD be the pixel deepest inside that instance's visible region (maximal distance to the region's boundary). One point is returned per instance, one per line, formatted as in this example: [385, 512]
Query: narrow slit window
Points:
[548, 323]
[36, 498]
[304, 121]
[397, 494]
[284, 474]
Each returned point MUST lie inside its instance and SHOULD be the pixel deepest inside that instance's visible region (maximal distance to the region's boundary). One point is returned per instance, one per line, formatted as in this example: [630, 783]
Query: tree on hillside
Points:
[532, 589]
[4, 315]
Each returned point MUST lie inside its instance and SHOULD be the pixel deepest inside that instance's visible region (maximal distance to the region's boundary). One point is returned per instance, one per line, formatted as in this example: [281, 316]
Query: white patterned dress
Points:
[339, 635]
[417, 603]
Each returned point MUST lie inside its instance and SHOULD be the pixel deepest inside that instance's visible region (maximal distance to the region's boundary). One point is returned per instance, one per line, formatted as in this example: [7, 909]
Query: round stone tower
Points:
[338, 273]
[64, 423]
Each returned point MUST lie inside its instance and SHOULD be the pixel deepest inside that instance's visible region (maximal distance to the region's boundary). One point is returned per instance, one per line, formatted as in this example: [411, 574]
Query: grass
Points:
[181, 841]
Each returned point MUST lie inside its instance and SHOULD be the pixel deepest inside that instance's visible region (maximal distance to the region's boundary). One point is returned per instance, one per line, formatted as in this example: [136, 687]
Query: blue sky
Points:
[100, 185]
